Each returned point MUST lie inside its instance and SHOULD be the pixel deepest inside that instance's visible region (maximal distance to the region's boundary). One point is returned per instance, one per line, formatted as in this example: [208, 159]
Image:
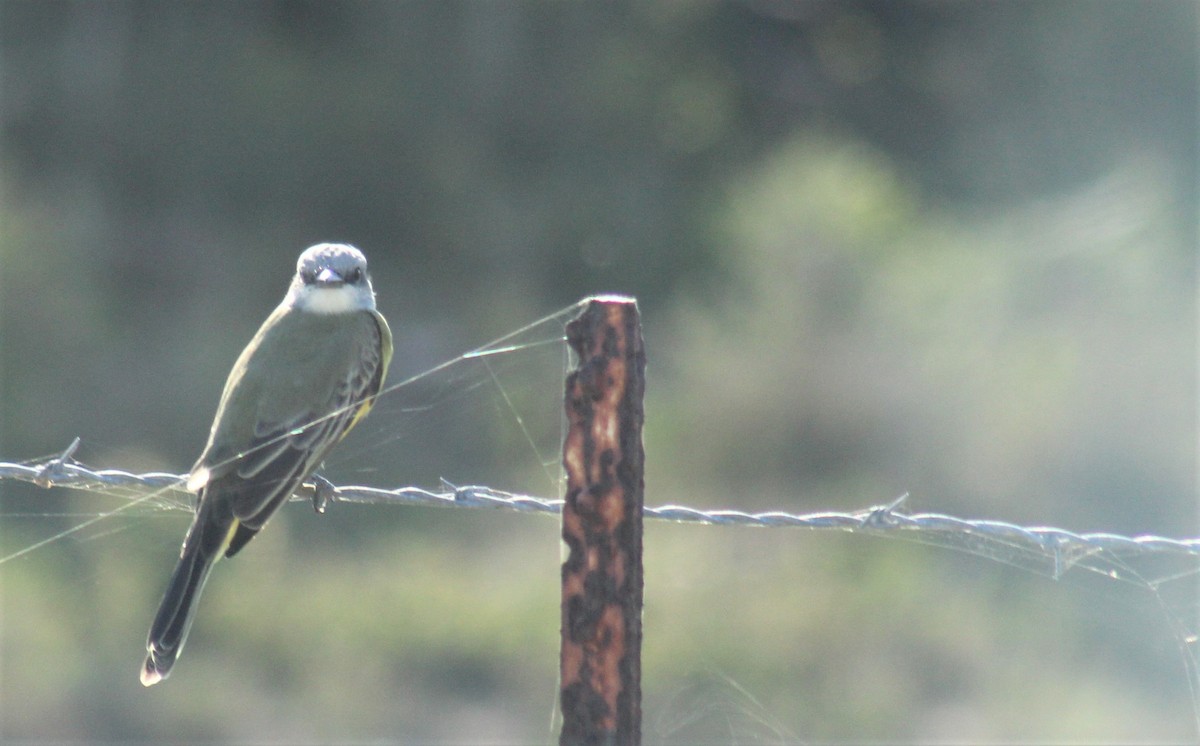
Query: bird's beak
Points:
[329, 278]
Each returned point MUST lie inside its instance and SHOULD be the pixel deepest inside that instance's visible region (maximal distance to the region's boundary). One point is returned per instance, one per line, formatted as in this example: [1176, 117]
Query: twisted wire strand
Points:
[1066, 548]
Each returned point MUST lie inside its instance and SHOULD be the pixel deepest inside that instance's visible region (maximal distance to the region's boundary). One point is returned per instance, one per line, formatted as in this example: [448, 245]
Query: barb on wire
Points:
[1066, 548]
[64, 471]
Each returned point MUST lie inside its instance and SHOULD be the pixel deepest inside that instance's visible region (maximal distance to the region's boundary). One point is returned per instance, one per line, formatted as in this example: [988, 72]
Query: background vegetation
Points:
[943, 248]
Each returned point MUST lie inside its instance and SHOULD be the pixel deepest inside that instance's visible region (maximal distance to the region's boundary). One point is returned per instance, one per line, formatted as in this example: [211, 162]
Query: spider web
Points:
[416, 428]
[492, 416]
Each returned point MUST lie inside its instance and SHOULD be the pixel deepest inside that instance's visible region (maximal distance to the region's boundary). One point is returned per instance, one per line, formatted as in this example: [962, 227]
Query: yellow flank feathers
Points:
[233, 527]
[363, 409]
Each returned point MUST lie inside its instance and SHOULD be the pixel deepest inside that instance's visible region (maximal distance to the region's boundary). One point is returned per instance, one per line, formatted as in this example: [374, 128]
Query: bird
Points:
[308, 376]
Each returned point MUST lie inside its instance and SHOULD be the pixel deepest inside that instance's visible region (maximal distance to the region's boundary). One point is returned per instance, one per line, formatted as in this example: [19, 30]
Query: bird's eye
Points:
[354, 275]
[309, 276]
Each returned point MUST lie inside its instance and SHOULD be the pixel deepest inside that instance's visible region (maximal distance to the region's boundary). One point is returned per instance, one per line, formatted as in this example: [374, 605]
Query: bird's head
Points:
[332, 278]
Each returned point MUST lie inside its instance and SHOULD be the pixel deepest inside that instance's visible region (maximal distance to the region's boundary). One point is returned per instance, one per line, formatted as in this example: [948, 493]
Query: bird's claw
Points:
[323, 492]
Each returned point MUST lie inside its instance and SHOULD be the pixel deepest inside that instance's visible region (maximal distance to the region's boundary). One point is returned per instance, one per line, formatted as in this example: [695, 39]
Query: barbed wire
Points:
[1066, 548]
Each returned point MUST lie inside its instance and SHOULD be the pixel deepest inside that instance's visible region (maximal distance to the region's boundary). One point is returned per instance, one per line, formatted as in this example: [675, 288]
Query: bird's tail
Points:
[201, 549]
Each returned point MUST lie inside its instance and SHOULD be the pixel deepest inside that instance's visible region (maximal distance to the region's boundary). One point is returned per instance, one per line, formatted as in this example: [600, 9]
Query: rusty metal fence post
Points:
[602, 526]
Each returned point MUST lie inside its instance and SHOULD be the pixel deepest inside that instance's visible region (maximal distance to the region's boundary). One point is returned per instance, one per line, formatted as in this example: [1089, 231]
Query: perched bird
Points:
[307, 377]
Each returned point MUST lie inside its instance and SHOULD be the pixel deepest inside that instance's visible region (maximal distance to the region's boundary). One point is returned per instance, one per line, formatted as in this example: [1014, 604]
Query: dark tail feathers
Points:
[169, 631]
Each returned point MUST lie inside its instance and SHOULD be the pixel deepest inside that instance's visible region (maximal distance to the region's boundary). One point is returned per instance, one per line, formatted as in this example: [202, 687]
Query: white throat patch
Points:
[341, 299]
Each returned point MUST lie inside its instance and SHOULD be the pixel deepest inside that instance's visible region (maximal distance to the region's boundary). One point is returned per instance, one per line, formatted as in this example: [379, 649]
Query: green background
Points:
[939, 248]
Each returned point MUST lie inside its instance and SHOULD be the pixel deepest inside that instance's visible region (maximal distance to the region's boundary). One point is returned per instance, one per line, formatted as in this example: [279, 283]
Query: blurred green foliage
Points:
[945, 248]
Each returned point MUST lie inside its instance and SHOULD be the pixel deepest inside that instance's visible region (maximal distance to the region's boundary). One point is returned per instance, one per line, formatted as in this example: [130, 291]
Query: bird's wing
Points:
[284, 451]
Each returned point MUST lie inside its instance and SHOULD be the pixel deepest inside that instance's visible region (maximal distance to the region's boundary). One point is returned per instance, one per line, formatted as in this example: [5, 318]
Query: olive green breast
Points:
[299, 366]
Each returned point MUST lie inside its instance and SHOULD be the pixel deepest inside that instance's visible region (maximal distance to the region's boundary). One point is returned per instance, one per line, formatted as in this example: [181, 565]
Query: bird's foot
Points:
[323, 492]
